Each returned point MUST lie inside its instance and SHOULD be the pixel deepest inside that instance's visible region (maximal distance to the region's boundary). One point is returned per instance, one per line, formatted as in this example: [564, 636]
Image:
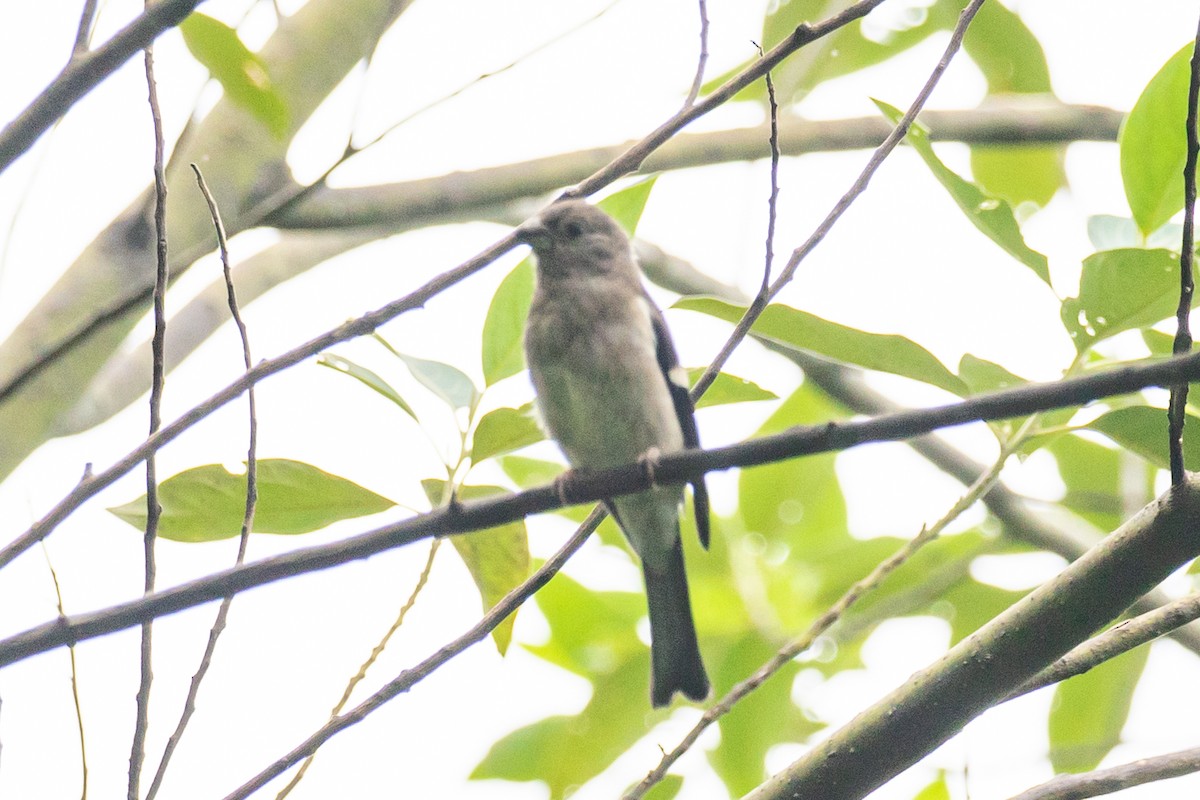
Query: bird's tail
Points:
[674, 651]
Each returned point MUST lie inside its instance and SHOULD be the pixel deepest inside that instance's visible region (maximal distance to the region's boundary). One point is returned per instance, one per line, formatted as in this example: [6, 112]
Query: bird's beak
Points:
[532, 231]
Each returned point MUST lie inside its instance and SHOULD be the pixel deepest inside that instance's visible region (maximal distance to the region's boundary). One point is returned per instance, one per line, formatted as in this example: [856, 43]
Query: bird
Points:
[610, 391]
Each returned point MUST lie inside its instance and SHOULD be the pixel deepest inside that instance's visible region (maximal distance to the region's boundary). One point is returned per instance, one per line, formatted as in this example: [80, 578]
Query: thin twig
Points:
[1114, 779]
[1120, 639]
[1183, 334]
[218, 626]
[83, 34]
[628, 161]
[824, 622]
[138, 748]
[58, 599]
[377, 651]
[773, 200]
[860, 185]
[702, 59]
[410, 677]
[682, 467]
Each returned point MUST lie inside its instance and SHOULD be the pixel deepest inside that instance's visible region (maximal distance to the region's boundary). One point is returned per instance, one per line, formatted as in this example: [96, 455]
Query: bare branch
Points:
[1114, 779]
[84, 72]
[680, 467]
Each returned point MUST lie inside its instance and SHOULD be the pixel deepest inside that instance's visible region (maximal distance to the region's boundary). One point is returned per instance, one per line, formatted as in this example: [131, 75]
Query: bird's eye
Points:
[572, 230]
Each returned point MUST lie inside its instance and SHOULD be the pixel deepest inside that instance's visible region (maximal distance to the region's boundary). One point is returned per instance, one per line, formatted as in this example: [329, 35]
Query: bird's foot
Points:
[649, 462]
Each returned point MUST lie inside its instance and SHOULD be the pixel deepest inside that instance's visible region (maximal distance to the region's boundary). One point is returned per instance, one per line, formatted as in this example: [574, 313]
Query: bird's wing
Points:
[677, 383]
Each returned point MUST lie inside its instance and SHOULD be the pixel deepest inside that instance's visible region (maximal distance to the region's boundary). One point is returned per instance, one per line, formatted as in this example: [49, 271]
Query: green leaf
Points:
[1019, 174]
[1006, 52]
[938, 790]
[1143, 429]
[982, 376]
[504, 430]
[1158, 343]
[503, 352]
[447, 382]
[1090, 710]
[727, 389]
[627, 205]
[1153, 146]
[1121, 290]
[497, 558]
[843, 52]
[206, 504]
[991, 215]
[882, 352]
[666, 789]
[367, 377]
[241, 73]
[1092, 474]
[593, 635]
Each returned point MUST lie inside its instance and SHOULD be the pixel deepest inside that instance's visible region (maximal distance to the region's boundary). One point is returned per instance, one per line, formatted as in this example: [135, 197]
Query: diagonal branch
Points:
[84, 72]
[673, 468]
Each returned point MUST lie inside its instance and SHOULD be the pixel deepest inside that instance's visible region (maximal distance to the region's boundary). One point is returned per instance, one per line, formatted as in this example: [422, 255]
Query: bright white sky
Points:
[291, 646]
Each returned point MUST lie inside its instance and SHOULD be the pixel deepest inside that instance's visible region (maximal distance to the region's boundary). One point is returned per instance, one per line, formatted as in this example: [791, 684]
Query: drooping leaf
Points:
[207, 503]
[242, 74]
[1121, 290]
[367, 377]
[497, 558]
[446, 381]
[1006, 52]
[991, 215]
[503, 353]
[504, 430]
[1090, 710]
[1153, 147]
[883, 352]
[1143, 429]
[727, 389]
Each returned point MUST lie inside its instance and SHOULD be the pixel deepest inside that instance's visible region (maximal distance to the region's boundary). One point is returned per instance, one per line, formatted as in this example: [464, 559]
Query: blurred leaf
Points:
[241, 73]
[1108, 232]
[526, 472]
[1090, 710]
[982, 376]
[1153, 150]
[626, 206]
[761, 720]
[205, 504]
[503, 353]
[1121, 290]
[1006, 52]
[1158, 343]
[882, 352]
[504, 430]
[991, 215]
[447, 382]
[1092, 474]
[845, 51]
[727, 389]
[938, 790]
[1019, 174]
[565, 752]
[666, 789]
[367, 377]
[593, 634]
[1143, 430]
[497, 558]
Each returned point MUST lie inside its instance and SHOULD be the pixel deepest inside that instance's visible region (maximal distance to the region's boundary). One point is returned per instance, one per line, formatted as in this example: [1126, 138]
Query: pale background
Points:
[291, 646]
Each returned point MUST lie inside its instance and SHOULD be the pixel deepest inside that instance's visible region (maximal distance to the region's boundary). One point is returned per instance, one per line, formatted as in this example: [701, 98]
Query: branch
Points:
[982, 669]
[1114, 779]
[594, 486]
[84, 72]
[429, 200]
